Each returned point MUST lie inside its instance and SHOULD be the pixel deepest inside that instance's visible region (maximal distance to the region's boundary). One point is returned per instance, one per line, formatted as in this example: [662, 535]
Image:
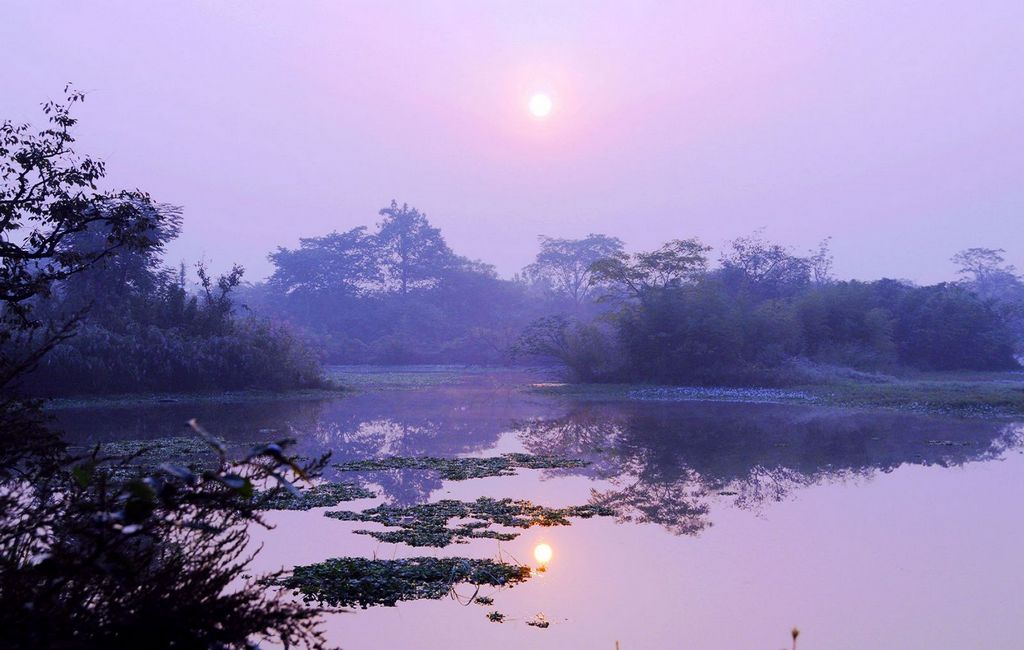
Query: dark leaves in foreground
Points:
[109, 555]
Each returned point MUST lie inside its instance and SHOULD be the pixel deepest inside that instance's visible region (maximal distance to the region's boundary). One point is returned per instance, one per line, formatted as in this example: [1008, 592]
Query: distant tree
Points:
[678, 262]
[411, 253]
[566, 264]
[769, 269]
[948, 327]
[335, 263]
[977, 264]
[821, 263]
[985, 272]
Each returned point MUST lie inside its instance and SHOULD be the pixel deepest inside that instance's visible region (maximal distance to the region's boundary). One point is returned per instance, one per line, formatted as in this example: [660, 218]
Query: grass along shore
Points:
[967, 394]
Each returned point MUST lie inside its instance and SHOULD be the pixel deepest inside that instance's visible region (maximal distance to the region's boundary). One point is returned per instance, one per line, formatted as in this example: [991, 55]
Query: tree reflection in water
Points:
[658, 462]
[666, 463]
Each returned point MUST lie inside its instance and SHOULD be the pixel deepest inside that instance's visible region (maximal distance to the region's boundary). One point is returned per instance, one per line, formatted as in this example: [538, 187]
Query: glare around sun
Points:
[540, 105]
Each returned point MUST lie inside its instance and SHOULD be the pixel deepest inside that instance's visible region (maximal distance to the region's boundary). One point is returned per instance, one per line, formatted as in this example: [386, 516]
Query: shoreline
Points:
[965, 398]
[167, 399]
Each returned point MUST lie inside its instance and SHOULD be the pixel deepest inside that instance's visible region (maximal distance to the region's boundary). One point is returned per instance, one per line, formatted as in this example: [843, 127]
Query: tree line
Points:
[400, 295]
[395, 292]
[763, 312]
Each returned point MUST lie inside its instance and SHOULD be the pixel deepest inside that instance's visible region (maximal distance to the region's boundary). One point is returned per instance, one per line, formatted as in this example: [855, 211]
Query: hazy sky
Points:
[897, 128]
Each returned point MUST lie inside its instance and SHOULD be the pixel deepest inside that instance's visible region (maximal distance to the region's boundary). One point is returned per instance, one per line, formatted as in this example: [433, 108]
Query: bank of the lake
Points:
[961, 394]
[968, 395]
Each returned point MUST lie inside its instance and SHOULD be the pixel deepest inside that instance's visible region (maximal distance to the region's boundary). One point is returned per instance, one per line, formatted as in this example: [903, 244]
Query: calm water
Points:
[865, 529]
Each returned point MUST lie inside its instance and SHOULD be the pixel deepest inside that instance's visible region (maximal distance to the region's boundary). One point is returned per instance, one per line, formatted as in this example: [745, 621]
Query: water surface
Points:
[734, 522]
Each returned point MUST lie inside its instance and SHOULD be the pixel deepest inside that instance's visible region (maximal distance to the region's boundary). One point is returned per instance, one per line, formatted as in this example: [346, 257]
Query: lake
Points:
[734, 522]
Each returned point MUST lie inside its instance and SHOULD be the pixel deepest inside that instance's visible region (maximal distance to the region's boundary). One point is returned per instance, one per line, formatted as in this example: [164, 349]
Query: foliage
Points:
[96, 551]
[394, 295]
[586, 350]
[566, 265]
[92, 558]
[427, 524]
[340, 263]
[48, 197]
[146, 332]
[984, 272]
[139, 357]
[76, 260]
[350, 581]
[678, 262]
[770, 270]
[746, 322]
[411, 253]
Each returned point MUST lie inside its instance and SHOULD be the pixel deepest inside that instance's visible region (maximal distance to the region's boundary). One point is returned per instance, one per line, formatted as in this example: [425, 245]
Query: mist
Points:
[893, 129]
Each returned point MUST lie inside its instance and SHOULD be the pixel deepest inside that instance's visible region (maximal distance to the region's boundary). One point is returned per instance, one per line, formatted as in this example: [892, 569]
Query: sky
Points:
[895, 128]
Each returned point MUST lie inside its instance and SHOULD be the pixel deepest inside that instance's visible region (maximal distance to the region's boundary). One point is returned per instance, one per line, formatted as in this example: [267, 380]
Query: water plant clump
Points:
[352, 581]
[461, 469]
[495, 617]
[427, 524]
[323, 495]
[145, 456]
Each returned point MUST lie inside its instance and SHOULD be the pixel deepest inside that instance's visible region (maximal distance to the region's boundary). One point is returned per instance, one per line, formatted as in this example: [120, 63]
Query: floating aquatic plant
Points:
[460, 469]
[495, 617]
[319, 496]
[145, 456]
[352, 581]
[427, 524]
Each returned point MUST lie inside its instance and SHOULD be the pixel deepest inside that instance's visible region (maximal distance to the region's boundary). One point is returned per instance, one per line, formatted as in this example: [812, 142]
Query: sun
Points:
[540, 105]
[542, 553]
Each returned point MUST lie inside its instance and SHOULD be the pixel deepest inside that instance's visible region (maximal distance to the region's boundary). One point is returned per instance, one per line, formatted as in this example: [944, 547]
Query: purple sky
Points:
[895, 127]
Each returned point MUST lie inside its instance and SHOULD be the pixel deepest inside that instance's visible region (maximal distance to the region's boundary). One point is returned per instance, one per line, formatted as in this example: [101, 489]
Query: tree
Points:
[977, 264]
[49, 195]
[335, 263]
[947, 327]
[771, 270]
[984, 271]
[122, 277]
[566, 264]
[411, 254]
[585, 349]
[821, 263]
[678, 262]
